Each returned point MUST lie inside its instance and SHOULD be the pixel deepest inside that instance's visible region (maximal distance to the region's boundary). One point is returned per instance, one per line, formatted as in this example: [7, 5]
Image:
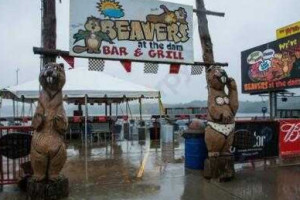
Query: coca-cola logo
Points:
[291, 130]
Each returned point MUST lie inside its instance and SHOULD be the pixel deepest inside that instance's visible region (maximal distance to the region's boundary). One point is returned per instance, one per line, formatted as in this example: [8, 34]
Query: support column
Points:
[14, 110]
[85, 137]
[127, 108]
[85, 122]
[117, 109]
[140, 103]
[110, 110]
[273, 104]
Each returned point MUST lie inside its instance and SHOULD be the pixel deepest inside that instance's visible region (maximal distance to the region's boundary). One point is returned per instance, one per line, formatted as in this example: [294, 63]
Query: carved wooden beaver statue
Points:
[219, 133]
[222, 108]
[48, 151]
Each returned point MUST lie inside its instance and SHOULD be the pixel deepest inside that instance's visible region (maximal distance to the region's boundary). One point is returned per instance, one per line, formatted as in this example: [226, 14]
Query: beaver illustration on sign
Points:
[169, 17]
[48, 151]
[92, 36]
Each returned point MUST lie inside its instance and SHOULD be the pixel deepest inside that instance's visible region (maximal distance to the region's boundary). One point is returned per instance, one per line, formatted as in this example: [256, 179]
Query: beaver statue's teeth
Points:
[223, 79]
[51, 80]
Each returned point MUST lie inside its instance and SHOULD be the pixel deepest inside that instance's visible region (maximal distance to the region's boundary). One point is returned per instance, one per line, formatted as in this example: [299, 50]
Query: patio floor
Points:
[155, 171]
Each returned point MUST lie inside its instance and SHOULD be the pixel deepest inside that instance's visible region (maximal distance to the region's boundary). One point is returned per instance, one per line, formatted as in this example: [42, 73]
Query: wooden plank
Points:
[208, 12]
[48, 29]
[206, 43]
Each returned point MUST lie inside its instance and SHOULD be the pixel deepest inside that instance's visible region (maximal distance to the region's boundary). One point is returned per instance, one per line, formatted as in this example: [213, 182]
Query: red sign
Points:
[289, 137]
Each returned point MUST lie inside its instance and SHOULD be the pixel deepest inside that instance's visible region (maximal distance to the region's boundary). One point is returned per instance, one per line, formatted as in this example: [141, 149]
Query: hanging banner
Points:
[70, 60]
[132, 29]
[127, 65]
[174, 68]
[289, 138]
[262, 139]
[96, 64]
[288, 30]
[272, 66]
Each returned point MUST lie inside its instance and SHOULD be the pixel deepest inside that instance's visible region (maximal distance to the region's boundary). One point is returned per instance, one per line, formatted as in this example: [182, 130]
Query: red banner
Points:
[70, 60]
[289, 141]
[174, 68]
[127, 65]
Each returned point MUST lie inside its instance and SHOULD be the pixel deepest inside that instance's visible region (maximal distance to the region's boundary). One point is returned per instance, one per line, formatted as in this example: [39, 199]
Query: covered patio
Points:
[85, 87]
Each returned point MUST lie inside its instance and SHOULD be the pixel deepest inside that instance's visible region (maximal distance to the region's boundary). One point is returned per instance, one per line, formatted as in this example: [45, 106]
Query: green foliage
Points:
[104, 36]
[81, 35]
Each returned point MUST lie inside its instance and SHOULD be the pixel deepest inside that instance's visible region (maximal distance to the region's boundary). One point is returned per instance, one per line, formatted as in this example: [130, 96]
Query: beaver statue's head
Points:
[52, 77]
[216, 78]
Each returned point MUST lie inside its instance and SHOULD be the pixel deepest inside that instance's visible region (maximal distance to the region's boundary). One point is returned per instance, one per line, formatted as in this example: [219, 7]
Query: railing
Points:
[10, 168]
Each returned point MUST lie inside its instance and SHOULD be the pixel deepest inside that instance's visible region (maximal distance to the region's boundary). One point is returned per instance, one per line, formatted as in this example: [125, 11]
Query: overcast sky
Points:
[247, 23]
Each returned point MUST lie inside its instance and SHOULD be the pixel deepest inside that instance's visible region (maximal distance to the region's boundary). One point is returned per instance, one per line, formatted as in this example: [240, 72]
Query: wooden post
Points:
[221, 167]
[206, 43]
[48, 29]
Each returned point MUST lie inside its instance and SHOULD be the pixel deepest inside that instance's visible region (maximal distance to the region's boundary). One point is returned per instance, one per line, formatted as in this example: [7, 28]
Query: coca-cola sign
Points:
[289, 137]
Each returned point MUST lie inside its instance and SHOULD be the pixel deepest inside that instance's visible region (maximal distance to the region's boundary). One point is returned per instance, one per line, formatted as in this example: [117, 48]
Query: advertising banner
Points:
[272, 66]
[288, 30]
[262, 137]
[289, 137]
[132, 29]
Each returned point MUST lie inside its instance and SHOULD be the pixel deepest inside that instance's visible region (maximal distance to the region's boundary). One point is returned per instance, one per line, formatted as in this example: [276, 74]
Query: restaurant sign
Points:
[132, 29]
[288, 30]
[272, 66]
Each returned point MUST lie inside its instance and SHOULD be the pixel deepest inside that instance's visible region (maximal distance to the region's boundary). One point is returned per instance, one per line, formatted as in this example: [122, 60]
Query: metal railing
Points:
[10, 170]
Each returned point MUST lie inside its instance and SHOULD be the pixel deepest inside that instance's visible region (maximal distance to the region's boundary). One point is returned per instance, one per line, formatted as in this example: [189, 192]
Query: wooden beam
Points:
[206, 43]
[52, 52]
[208, 12]
[48, 29]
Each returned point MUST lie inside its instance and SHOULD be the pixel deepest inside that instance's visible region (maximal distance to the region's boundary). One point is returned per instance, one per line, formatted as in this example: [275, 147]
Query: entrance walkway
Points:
[153, 171]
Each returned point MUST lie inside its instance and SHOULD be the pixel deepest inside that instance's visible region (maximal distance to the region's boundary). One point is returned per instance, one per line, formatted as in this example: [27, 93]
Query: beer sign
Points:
[132, 29]
[289, 138]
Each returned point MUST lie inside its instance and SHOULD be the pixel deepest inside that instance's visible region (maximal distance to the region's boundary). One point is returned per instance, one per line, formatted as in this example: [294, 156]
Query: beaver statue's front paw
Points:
[37, 121]
[231, 84]
[60, 123]
[226, 117]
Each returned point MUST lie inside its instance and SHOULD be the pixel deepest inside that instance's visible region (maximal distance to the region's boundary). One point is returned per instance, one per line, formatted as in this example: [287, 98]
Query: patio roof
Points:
[98, 86]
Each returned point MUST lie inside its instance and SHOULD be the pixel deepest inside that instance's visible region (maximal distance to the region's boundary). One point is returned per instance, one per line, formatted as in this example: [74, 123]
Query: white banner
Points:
[132, 29]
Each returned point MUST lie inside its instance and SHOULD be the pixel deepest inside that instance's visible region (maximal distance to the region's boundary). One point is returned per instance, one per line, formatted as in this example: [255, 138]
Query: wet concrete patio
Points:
[155, 171]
